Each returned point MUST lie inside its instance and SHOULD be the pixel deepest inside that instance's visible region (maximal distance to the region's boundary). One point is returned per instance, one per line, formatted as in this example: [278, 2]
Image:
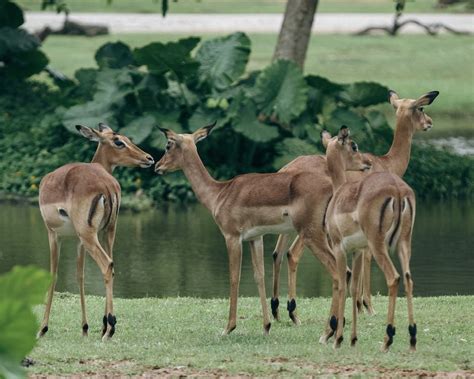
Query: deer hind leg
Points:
[81, 255]
[234, 250]
[380, 253]
[294, 256]
[366, 286]
[256, 249]
[54, 249]
[357, 273]
[277, 259]
[108, 247]
[105, 263]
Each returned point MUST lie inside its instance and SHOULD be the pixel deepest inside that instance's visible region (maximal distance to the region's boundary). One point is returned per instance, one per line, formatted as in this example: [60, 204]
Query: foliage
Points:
[265, 118]
[19, 51]
[20, 289]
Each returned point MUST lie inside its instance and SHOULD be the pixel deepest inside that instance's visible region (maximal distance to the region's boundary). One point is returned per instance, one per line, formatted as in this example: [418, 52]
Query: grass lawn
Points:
[409, 64]
[183, 336]
[241, 6]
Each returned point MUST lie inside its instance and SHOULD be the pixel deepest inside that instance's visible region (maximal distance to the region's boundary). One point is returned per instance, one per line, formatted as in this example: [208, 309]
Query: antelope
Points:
[410, 118]
[377, 212]
[83, 200]
[247, 207]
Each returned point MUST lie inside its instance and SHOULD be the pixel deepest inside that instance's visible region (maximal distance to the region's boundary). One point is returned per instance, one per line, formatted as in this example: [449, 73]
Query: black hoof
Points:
[339, 341]
[291, 307]
[333, 323]
[353, 341]
[412, 331]
[359, 306]
[365, 305]
[44, 330]
[274, 302]
[85, 329]
[348, 276]
[267, 327]
[104, 325]
[112, 320]
[390, 334]
[27, 362]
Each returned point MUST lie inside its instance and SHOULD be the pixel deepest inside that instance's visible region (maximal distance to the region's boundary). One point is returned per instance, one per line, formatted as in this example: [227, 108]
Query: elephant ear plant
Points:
[20, 290]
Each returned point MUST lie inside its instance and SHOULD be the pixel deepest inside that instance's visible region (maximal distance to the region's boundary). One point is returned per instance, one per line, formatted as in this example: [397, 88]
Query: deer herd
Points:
[340, 203]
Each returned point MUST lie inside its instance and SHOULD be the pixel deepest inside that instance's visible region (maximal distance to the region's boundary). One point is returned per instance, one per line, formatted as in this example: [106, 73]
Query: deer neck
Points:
[398, 156]
[336, 170]
[203, 185]
[100, 157]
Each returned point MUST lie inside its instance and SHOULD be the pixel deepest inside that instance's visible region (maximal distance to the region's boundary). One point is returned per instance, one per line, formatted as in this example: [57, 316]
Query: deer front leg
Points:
[256, 249]
[81, 255]
[277, 259]
[294, 256]
[341, 265]
[234, 250]
[54, 249]
[366, 286]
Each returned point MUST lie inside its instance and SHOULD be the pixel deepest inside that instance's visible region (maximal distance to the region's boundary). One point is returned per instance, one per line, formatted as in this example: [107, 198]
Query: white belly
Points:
[354, 241]
[285, 227]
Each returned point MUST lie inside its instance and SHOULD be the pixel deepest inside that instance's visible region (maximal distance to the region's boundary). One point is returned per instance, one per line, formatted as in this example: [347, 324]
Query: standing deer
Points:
[410, 118]
[376, 212]
[247, 207]
[83, 200]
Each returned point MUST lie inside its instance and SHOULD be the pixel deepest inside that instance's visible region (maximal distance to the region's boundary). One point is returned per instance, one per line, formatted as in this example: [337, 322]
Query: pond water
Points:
[179, 251]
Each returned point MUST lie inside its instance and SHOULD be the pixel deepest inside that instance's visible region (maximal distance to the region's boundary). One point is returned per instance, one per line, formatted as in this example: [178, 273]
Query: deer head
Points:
[412, 111]
[116, 149]
[176, 145]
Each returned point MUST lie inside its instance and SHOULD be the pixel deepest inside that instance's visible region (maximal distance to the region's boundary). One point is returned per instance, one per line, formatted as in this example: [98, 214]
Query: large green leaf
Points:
[114, 55]
[26, 283]
[323, 85]
[363, 94]
[25, 64]
[281, 91]
[174, 57]
[139, 129]
[247, 124]
[88, 114]
[291, 148]
[16, 41]
[223, 60]
[113, 85]
[344, 116]
[10, 14]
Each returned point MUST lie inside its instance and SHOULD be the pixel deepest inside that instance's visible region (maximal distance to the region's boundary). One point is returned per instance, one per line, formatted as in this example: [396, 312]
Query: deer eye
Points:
[168, 146]
[420, 109]
[119, 143]
[354, 147]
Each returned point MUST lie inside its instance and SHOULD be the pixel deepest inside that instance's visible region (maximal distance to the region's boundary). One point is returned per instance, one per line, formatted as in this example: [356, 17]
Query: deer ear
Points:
[393, 98]
[89, 133]
[171, 136]
[343, 134]
[325, 138]
[104, 128]
[202, 133]
[426, 99]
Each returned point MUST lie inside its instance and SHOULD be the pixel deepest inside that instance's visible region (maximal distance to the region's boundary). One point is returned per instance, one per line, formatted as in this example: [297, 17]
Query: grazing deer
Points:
[376, 212]
[247, 207]
[410, 118]
[83, 199]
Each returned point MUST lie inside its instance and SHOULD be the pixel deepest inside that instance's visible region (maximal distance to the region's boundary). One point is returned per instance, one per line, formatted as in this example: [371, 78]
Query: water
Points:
[179, 251]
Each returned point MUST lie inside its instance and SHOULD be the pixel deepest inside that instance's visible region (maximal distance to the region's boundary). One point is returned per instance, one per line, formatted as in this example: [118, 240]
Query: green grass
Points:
[409, 64]
[241, 6]
[184, 335]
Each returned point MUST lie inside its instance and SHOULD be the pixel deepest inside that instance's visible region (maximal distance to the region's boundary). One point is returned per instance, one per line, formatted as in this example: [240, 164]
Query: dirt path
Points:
[225, 23]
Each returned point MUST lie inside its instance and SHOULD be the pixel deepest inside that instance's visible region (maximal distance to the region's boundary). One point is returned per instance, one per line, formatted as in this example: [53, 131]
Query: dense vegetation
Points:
[266, 117]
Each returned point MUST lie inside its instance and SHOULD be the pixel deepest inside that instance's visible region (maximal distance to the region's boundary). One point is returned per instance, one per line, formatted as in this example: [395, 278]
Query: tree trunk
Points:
[295, 31]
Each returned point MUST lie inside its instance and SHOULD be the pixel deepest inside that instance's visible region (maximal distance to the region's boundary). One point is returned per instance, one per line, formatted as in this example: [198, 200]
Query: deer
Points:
[375, 212]
[82, 200]
[410, 118]
[247, 207]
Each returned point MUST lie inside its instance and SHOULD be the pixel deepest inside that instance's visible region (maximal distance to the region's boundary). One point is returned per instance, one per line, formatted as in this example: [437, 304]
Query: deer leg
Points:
[366, 287]
[380, 253]
[341, 266]
[256, 248]
[234, 250]
[108, 247]
[105, 263]
[294, 256]
[54, 249]
[404, 253]
[81, 255]
[277, 259]
[357, 279]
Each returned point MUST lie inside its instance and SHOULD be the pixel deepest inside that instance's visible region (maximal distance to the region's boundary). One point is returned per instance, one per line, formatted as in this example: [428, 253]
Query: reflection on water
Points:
[179, 251]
